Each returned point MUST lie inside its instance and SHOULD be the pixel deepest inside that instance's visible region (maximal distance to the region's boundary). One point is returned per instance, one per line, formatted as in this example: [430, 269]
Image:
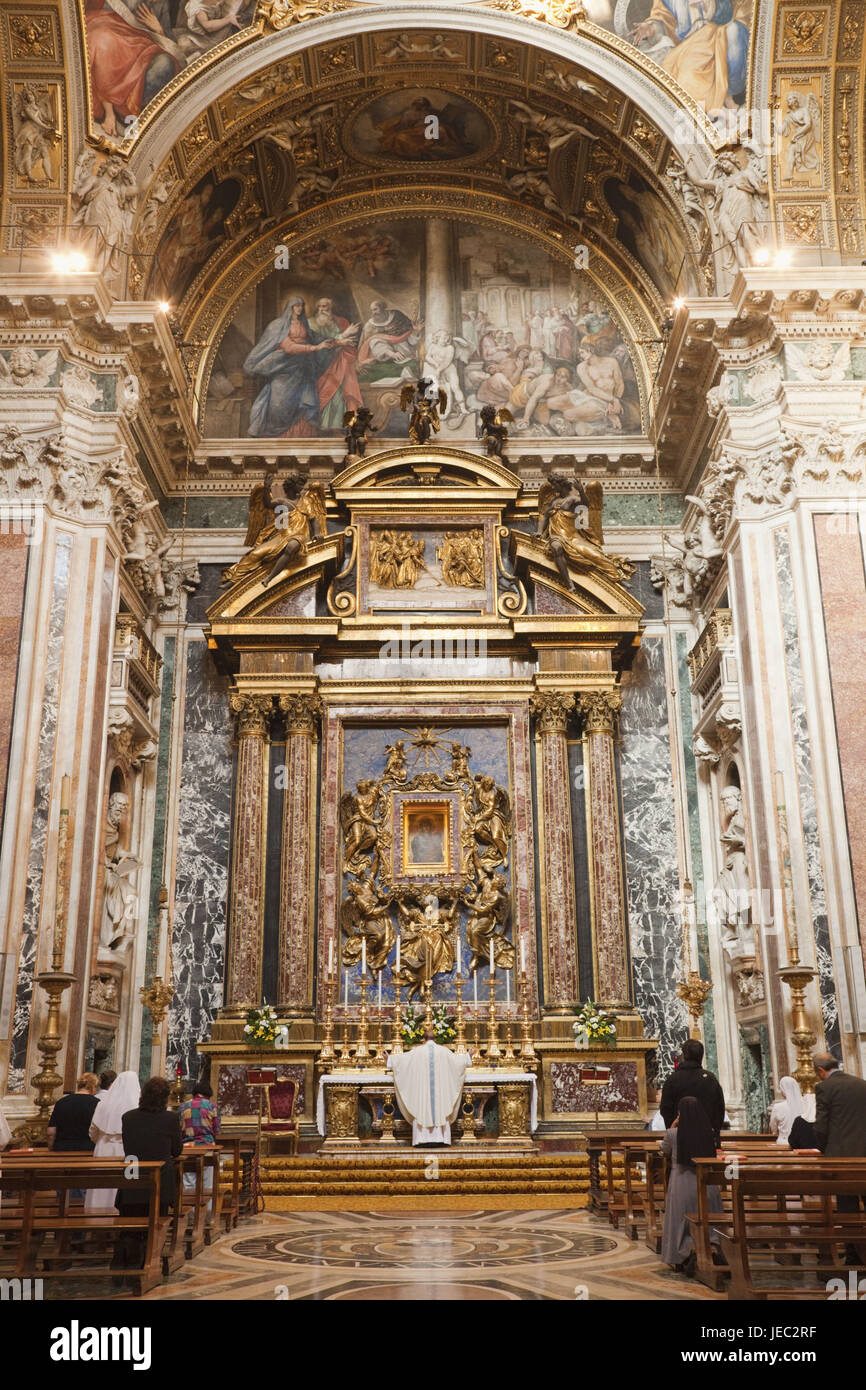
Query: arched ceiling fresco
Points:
[139, 55]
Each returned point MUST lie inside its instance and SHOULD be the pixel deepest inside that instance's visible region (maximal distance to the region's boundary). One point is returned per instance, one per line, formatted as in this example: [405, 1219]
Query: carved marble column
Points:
[297, 887]
[559, 913]
[247, 894]
[599, 710]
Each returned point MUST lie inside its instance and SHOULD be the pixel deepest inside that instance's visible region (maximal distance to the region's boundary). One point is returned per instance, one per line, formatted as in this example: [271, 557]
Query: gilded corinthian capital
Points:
[599, 709]
[302, 712]
[552, 710]
[252, 713]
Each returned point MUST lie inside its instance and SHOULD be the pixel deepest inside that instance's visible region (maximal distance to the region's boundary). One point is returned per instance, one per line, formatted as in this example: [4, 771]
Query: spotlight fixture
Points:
[782, 260]
[164, 306]
[678, 304]
[762, 256]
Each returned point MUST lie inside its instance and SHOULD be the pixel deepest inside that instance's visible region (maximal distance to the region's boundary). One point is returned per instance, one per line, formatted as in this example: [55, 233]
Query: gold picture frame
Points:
[426, 837]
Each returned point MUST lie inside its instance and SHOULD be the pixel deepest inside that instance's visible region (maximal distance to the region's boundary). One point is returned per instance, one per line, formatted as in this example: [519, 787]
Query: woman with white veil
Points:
[106, 1132]
[784, 1112]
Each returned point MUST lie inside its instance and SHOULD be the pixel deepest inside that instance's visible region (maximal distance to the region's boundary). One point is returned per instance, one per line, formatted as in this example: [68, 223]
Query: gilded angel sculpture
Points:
[489, 910]
[360, 826]
[569, 521]
[492, 822]
[279, 529]
[365, 914]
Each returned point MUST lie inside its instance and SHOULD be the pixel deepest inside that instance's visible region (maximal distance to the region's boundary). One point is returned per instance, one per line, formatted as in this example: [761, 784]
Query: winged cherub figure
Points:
[425, 401]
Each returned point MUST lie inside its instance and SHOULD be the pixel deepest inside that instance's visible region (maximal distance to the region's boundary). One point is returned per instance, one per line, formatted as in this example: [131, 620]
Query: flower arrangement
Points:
[263, 1028]
[593, 1025]
[412, 1030]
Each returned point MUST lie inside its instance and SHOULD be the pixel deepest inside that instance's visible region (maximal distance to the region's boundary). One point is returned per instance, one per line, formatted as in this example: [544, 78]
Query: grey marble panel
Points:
[203, 840]
[39, 824]
[651, 851]
[806, 784]
[157, 865]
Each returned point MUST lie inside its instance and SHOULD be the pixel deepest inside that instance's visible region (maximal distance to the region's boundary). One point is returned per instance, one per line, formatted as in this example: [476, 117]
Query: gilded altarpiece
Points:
[427, 805]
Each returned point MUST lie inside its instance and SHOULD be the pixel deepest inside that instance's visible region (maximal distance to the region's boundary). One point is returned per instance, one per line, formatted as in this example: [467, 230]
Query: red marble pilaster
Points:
[297, 896]
[558, 907]
[612, 976]
[247, 896]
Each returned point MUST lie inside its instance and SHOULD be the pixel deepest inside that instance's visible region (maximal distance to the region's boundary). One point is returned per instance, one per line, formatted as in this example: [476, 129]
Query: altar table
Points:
[477, 1079]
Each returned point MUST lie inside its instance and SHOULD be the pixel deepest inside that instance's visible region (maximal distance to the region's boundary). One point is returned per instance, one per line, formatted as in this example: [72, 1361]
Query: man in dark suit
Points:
[150, 1132]
[840, 1127]
[692, 1079]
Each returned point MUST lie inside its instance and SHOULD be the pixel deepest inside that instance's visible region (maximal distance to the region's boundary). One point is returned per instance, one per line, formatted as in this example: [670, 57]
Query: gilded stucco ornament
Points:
[561, 14]
[280, 14]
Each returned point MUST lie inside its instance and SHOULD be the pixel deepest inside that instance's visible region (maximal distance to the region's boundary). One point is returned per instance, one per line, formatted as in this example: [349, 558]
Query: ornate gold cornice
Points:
[598, 710]
[252, 714]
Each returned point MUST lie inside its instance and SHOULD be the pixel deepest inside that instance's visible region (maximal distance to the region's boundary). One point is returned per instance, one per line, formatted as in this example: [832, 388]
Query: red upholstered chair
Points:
[281, 1121]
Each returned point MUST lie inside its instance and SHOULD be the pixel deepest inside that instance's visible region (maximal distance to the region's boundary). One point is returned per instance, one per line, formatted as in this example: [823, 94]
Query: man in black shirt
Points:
[69, 1125]
[690, 1079]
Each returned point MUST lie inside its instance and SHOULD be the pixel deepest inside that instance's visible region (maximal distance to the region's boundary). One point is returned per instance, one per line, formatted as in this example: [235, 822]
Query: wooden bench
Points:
[237, 1196]
[53, 1238]
[203, 1201]
[771, 1209]
[779, 1251]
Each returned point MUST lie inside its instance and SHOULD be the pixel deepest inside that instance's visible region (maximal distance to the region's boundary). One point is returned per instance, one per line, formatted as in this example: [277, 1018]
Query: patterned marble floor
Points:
[479, 1256]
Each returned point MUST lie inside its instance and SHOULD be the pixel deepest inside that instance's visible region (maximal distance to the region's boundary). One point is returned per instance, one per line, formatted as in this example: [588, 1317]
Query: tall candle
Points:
[346, 989]
[397, 961]
[492, 960]
[508, 989]
[475, 990]
[331, 956]
[523, 955]
[363, 955]
[459, 956]
[380, 989]
[64, 792]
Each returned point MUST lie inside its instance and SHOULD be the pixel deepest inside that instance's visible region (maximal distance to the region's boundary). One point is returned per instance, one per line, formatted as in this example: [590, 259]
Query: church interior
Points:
[432, 486]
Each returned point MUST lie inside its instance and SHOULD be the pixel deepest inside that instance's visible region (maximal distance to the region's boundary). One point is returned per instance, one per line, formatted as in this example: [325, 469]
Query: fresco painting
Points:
[495, 319]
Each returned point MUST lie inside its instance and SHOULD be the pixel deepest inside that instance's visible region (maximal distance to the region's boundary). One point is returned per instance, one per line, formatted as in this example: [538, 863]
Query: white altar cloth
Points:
[476, 1075]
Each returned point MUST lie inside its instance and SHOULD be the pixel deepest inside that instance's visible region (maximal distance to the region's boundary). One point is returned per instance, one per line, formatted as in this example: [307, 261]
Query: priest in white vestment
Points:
[429, 1085]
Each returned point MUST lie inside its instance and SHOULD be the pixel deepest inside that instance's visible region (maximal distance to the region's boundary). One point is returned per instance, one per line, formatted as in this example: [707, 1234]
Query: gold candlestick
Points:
[345, 1051]
[494, 1055]
[795, 975]
[327, 1055]
[362, 1050]
[510, 1056]
[528, 1054]
[396, 1033]
[460, 1044]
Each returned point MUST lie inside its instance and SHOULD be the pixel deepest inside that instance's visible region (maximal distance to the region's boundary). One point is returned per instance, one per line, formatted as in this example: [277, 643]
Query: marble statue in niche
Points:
[732, 895]
[119, 898]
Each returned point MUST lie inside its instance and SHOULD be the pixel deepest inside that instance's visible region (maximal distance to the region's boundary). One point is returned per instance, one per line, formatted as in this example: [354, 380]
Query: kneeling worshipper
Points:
[429, 1084]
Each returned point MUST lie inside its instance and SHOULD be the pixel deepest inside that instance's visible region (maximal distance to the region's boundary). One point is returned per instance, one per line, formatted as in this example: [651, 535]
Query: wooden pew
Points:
[200, 1159]
[776, 1252]
[237, 1197]
[51, 1237]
